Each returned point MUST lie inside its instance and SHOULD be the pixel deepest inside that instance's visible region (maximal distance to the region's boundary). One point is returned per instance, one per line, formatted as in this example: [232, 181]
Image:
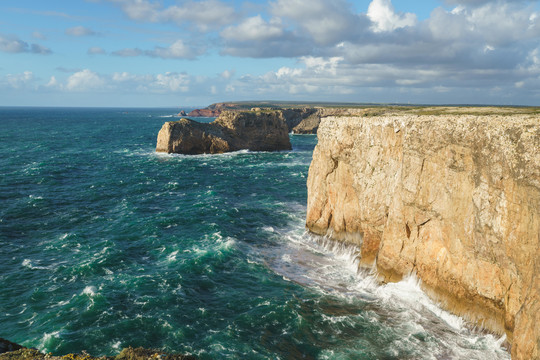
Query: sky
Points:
[191, 53]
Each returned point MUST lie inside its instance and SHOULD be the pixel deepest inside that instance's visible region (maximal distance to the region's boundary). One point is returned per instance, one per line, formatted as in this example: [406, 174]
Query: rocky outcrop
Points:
[454, 199]
[181, 113]
[231, 131]
[204, 113]
[12, 351]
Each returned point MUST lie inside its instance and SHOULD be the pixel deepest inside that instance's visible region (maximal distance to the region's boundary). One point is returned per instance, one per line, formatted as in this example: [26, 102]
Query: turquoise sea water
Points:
[106, 244]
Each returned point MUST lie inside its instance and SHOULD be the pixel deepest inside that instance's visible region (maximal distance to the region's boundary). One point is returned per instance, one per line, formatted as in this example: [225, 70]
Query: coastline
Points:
[423, 194]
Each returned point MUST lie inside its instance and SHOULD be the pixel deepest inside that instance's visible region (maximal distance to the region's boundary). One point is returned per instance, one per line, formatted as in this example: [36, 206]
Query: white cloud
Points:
[206, 14]
[325, 21]
[254, 29]
[85, 80]
[18, 81]
[384, 17]
[171, 82]
[159, 83]
[227, 74]
[52, 82]
[141, 10]
[80, 31]
[177, 50]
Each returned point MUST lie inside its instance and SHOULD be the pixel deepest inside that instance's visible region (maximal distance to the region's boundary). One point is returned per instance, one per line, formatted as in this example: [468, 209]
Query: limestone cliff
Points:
[452, 198]
[231, 131]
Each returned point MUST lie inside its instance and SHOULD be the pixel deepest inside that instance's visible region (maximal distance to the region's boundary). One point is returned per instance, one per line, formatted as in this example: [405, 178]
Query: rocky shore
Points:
[453, 198]
[12, 351]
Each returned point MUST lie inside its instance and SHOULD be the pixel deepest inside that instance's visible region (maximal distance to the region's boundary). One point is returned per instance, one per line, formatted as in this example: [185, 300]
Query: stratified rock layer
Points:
[452, 198]
[232, 131]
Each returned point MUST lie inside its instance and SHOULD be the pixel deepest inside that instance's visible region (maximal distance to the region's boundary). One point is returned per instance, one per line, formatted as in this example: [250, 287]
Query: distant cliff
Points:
[300, 120]
[231, 131]
[454, 199]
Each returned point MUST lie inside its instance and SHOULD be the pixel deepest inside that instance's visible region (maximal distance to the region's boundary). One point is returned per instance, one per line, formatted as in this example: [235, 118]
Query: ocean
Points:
[105, 244]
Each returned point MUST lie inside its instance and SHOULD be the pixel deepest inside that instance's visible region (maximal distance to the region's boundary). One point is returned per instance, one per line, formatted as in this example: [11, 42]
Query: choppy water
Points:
[106, 244]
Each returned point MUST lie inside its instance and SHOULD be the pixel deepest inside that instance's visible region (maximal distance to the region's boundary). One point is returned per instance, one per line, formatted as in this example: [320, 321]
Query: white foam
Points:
[90, 291]
[27, 263]
[172, 256]
[332, 267]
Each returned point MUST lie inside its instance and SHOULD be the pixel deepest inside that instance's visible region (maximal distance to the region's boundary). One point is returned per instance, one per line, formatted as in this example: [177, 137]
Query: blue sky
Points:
[193, 53]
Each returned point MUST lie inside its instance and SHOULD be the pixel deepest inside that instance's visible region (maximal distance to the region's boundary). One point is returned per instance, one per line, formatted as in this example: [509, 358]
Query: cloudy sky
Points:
[196, 52]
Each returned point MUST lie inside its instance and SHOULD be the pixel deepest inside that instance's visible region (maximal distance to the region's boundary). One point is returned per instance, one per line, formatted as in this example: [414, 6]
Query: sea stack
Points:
[231, 131]
[454, 199]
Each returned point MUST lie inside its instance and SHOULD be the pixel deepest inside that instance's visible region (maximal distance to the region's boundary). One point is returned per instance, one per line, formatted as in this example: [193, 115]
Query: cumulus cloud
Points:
[17, 81]
[85, 80]
[384, 17]
[256, 37]
[12, 44]
[326, 21]
[254, 29]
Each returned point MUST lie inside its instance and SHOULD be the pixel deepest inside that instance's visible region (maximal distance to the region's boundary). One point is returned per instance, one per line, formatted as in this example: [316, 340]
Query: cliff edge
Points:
[231, 131]
[452, 198]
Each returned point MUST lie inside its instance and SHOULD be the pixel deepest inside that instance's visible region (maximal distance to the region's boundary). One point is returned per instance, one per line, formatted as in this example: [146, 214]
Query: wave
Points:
[331, 268]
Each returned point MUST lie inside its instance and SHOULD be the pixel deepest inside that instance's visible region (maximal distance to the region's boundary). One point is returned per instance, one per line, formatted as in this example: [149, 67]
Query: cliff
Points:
[300, 120]
[231, 131]
[204, 113]
[454, 199]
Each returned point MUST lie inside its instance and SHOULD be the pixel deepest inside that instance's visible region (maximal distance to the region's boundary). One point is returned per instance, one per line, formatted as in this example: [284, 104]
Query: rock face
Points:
[232, 131]
[452, 198]
[307, 120]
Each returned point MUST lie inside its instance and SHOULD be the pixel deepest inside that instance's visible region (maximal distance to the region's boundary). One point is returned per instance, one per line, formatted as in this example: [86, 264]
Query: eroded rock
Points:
[452, 198]
[232, 131]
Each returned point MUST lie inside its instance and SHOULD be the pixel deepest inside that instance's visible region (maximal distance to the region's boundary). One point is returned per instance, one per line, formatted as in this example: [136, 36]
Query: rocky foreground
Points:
[12, 351]
[453, 198]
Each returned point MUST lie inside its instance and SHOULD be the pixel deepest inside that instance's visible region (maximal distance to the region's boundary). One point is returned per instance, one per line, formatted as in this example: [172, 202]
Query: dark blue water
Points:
[106, 244]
